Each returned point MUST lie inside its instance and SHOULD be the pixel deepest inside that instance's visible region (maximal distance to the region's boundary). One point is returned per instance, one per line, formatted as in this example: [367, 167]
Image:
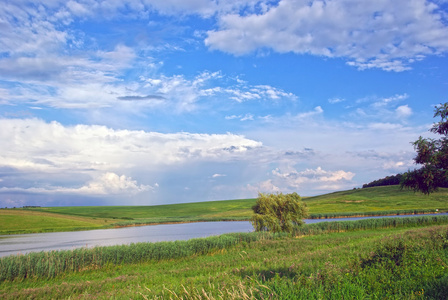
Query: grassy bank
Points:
[389, 200]
[51, 264]
[376, 199]
[26, 221]
[392, 263]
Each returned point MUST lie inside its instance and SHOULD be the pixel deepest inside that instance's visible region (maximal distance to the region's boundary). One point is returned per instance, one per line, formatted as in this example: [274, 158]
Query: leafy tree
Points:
[278, 212]
[433, 155]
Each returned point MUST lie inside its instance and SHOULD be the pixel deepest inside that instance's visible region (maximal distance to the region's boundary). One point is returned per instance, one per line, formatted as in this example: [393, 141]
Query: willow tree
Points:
[432, 154]
[278, 212]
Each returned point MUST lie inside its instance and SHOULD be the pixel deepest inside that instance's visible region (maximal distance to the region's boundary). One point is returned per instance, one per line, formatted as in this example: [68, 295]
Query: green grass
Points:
[368, 259]
[388, 200]
[213, 210]
[391, 263]
[51, 264]
[374, 199]
[24, 221]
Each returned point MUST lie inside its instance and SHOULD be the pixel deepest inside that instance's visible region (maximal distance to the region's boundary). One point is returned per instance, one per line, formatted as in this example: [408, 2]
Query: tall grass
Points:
[342, 226]
[375, 213]
[373, 264]
[49, 264]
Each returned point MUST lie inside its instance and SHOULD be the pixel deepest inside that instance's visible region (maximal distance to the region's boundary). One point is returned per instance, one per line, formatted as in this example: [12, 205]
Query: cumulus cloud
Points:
[318, 177]
[266, 186]
[98, 147]
[52, 150]
[50, 62]
[379, 34]
[111, 183]
[289, 179]
[403, 111]
[106, 184]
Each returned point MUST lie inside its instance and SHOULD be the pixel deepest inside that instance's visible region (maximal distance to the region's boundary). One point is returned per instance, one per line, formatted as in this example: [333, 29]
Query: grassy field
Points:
[376, 200]
[366, 259]
[228, 209]
[25, 221]
[390, 263]
[384, 198]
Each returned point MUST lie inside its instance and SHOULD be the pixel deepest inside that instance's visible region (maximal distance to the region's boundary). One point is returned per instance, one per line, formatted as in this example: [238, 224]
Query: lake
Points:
[24, 243]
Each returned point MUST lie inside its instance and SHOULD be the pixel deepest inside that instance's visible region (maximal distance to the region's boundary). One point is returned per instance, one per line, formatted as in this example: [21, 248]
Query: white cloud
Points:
[376, 109]
[390, 100]
[51, 62]
[98, 147]
[263, 187]
[61, 157]
[335, 100]
[317, 111]
[106, 184]
[394, 165]
[78, 9]
[242, 92]
[404, 111]
[378, 34]
[247, 117]
[309, 176]
[218, 175]
[111, 183]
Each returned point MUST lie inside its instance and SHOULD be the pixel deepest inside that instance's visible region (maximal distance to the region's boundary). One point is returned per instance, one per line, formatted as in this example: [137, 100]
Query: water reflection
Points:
[24, 243]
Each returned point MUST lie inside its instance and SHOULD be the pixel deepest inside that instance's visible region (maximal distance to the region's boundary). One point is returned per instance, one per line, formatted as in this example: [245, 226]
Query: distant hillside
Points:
[388, 180]
[374, 199]
[392, 180]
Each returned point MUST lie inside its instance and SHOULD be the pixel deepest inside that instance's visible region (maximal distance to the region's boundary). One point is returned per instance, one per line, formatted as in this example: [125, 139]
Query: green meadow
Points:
[391, 261]
[377, 199]
[26, 221]
[389, 258]
[386, 200]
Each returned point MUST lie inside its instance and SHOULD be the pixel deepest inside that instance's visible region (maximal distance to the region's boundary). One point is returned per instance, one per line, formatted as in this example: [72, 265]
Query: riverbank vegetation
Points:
[384, 200]
[406, 260]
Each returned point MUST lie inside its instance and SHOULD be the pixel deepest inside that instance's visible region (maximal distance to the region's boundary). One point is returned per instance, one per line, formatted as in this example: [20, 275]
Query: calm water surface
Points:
[24, 243]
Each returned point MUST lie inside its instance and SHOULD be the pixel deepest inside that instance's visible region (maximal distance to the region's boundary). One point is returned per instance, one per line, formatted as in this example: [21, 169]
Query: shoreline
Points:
[116, 226]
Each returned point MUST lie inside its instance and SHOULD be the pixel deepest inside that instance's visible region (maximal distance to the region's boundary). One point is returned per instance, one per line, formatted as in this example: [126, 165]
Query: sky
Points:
[145, 102]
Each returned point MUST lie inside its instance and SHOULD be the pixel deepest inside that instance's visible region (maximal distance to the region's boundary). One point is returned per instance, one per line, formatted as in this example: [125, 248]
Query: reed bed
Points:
[50, 264]
[375, 213]
[53, 263]
[377, 223]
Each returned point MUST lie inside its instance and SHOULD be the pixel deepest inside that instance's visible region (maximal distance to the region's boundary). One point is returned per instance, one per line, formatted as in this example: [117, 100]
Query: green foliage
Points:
[278, 212]
[388, 180]
[432, 154]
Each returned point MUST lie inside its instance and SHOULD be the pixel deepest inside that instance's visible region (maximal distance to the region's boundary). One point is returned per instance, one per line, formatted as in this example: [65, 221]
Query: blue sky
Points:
[144, 102]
